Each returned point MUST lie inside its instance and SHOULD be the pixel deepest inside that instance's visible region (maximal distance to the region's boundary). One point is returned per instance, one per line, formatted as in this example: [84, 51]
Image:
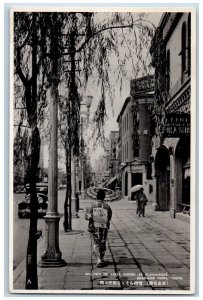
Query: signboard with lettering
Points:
[177, 125]
[142, 85]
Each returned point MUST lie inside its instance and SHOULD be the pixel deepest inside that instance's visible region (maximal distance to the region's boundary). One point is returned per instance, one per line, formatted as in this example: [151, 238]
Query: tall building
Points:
[134, 136]
[107, 145]
[171, 57]
[113, 160]
[107, 164]
[102, 173]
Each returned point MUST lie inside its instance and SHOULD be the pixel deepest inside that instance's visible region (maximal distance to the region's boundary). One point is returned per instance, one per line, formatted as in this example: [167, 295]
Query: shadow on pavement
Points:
[73, 232]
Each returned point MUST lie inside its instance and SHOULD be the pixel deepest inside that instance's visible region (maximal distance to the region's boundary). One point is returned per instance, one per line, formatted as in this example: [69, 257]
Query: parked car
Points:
[42, 196]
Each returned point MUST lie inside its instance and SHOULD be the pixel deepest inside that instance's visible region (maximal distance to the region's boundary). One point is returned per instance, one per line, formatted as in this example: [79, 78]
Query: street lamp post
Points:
[52, 256]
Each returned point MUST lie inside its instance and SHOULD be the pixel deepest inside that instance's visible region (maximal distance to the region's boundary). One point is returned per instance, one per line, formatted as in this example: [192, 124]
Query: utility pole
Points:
[82, 177]
[71, 199]
[86, 101]
[73, 194]
[73, 92]
[53, 257]
[82, 162]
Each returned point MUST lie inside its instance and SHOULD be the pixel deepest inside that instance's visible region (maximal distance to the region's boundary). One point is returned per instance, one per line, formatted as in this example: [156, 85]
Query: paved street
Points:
[145, 254]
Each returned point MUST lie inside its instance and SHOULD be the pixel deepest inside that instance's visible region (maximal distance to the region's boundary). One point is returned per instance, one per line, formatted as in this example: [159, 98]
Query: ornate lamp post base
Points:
[52, 256]
[50, 263]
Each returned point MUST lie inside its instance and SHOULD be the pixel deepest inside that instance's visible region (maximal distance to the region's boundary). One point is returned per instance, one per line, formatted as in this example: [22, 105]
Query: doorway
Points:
[162, 166]
[136, 178]
[182, 173]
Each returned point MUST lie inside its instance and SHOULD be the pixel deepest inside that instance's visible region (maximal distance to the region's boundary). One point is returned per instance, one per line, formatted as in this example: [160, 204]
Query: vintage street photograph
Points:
[102, 150]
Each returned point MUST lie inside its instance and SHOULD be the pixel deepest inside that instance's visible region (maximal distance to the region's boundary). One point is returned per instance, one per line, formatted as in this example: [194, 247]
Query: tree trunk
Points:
[69, 188]
[66, 218]
[31, 103]
[67, 204]
[31, 260]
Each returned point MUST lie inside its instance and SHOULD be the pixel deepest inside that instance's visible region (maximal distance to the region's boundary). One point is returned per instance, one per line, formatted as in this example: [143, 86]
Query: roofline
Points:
[159, 30]
[123, 107]
[163, 19]
[142, 94]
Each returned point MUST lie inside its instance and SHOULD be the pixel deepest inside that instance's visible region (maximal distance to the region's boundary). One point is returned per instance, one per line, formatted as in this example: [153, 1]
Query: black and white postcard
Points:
[102, 150]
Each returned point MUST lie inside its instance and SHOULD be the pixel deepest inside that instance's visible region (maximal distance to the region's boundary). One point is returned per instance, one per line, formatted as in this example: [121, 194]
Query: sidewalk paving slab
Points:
[136, 246]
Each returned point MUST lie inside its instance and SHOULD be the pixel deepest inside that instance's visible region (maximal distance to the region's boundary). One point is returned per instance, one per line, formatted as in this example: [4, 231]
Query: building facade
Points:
[135, 136]
[102, 172]
[170, 120]
[114, 179]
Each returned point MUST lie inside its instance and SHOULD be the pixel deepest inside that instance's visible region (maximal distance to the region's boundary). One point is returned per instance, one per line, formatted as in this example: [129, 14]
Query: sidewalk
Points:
[143, 254]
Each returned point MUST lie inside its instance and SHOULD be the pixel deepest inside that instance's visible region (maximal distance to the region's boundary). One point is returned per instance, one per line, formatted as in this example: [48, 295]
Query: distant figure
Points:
[141, 202]
[99, 215]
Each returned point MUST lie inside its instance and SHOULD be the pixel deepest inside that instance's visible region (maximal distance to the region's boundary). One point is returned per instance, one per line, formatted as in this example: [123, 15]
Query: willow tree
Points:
[91, 41]
[111, 45]
[98, 39]
[31, 81]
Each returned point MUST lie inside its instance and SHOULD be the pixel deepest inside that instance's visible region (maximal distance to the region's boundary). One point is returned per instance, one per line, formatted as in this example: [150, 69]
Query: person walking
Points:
[99, 216]
[141, 202]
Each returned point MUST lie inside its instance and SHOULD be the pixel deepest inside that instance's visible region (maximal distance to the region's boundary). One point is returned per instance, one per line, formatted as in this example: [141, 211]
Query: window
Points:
[168, 71]
[183, 51]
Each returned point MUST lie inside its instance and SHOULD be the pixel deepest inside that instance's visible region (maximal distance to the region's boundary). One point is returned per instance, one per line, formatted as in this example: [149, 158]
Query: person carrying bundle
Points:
[99, 216]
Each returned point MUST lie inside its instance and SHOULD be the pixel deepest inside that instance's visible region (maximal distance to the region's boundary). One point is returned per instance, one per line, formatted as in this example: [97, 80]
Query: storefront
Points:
[172, 166]
[134, 173]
